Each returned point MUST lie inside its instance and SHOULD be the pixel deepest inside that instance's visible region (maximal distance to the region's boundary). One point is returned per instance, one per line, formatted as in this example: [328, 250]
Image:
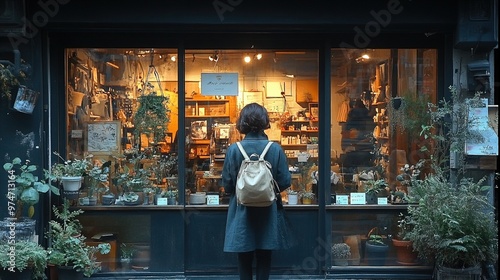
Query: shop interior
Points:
[105, 88]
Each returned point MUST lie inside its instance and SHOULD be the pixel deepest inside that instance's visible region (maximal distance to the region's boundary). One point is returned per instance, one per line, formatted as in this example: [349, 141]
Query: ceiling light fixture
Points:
[258, 56]
[247, 58]
[173, 58]
[214, 57]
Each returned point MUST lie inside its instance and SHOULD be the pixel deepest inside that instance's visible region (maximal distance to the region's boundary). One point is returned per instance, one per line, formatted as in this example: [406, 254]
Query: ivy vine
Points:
[152, 116]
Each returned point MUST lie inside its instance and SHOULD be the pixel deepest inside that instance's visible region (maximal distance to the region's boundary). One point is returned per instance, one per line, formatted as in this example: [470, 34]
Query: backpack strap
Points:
[265, 150]
[242, 151]
[261, 157]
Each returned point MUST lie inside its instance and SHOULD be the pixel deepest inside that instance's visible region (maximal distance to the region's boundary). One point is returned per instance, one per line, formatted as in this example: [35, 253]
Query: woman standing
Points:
[255, 231]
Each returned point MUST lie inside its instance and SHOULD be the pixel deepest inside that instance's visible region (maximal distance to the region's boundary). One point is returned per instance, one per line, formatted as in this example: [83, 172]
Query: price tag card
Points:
[358, 198]
[162, 201]
[382, 200]
[342, 199]
[212, 199]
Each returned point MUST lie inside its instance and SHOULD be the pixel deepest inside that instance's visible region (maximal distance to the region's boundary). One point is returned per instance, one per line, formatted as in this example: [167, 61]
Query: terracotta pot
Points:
[404, 252]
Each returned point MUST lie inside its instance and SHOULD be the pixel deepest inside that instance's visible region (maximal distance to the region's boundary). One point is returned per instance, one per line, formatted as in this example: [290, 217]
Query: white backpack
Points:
[255, 185]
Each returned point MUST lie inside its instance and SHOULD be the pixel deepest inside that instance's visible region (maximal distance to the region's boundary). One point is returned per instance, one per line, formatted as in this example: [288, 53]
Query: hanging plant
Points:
[7, 81]
[409, 113]
[152, 116]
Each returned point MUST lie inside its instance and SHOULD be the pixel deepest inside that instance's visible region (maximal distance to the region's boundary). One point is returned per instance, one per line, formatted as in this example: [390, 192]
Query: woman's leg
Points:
[245, 265]
[263, 259]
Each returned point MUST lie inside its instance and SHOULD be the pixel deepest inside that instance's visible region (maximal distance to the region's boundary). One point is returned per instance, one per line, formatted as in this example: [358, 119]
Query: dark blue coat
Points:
[251, 228]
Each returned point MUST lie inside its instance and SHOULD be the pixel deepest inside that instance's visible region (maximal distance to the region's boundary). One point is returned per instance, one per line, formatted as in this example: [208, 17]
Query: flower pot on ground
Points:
[454, 223]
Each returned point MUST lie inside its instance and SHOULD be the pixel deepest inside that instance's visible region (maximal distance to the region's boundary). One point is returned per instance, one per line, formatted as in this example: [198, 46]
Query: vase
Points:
[404, 252]
[293, 199]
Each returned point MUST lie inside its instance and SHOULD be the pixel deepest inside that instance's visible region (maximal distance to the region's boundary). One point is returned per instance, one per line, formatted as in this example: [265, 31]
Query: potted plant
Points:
[171, 196]
[453, 225]
[307, 197]
[376, 248]
[70, 172]
[152, 116]
[405, 254]
[25, 185]
[126, 254]
[341, 253]
[293, 196]
[97, 179]
[68, 249]
[30, 258]
[373, 188]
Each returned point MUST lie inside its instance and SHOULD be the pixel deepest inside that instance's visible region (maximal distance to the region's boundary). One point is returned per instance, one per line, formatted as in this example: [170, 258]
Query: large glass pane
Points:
[379, 103]
[122, 110]
[283, 81]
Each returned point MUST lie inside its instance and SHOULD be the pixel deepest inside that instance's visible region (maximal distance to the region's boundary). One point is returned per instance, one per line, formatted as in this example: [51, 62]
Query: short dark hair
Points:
[253, 118]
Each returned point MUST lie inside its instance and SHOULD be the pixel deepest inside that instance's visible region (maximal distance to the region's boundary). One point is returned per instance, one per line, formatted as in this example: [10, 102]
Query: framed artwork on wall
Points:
[103, 138]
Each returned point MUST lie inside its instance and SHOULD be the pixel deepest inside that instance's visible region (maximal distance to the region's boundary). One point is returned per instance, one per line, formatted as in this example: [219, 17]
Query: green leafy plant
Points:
[307, 195]
[98, 178]
[68, 247]
[152, 116]
[27, 185]
[341, 251]
[72, 167]
[454, 224]
[375, 186]
[28, 255]
[169, 193]
[375, 238]
[9, 79]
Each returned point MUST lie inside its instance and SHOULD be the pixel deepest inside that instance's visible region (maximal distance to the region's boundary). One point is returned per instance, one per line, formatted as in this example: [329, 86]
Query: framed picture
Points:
[314, 110]
[103, 138]
[199, 130]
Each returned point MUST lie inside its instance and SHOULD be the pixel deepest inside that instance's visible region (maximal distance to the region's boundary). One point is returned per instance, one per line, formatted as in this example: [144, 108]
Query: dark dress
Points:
[251, 228]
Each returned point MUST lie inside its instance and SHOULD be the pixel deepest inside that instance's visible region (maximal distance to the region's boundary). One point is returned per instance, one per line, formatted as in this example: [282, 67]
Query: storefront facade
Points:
[95, 63]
